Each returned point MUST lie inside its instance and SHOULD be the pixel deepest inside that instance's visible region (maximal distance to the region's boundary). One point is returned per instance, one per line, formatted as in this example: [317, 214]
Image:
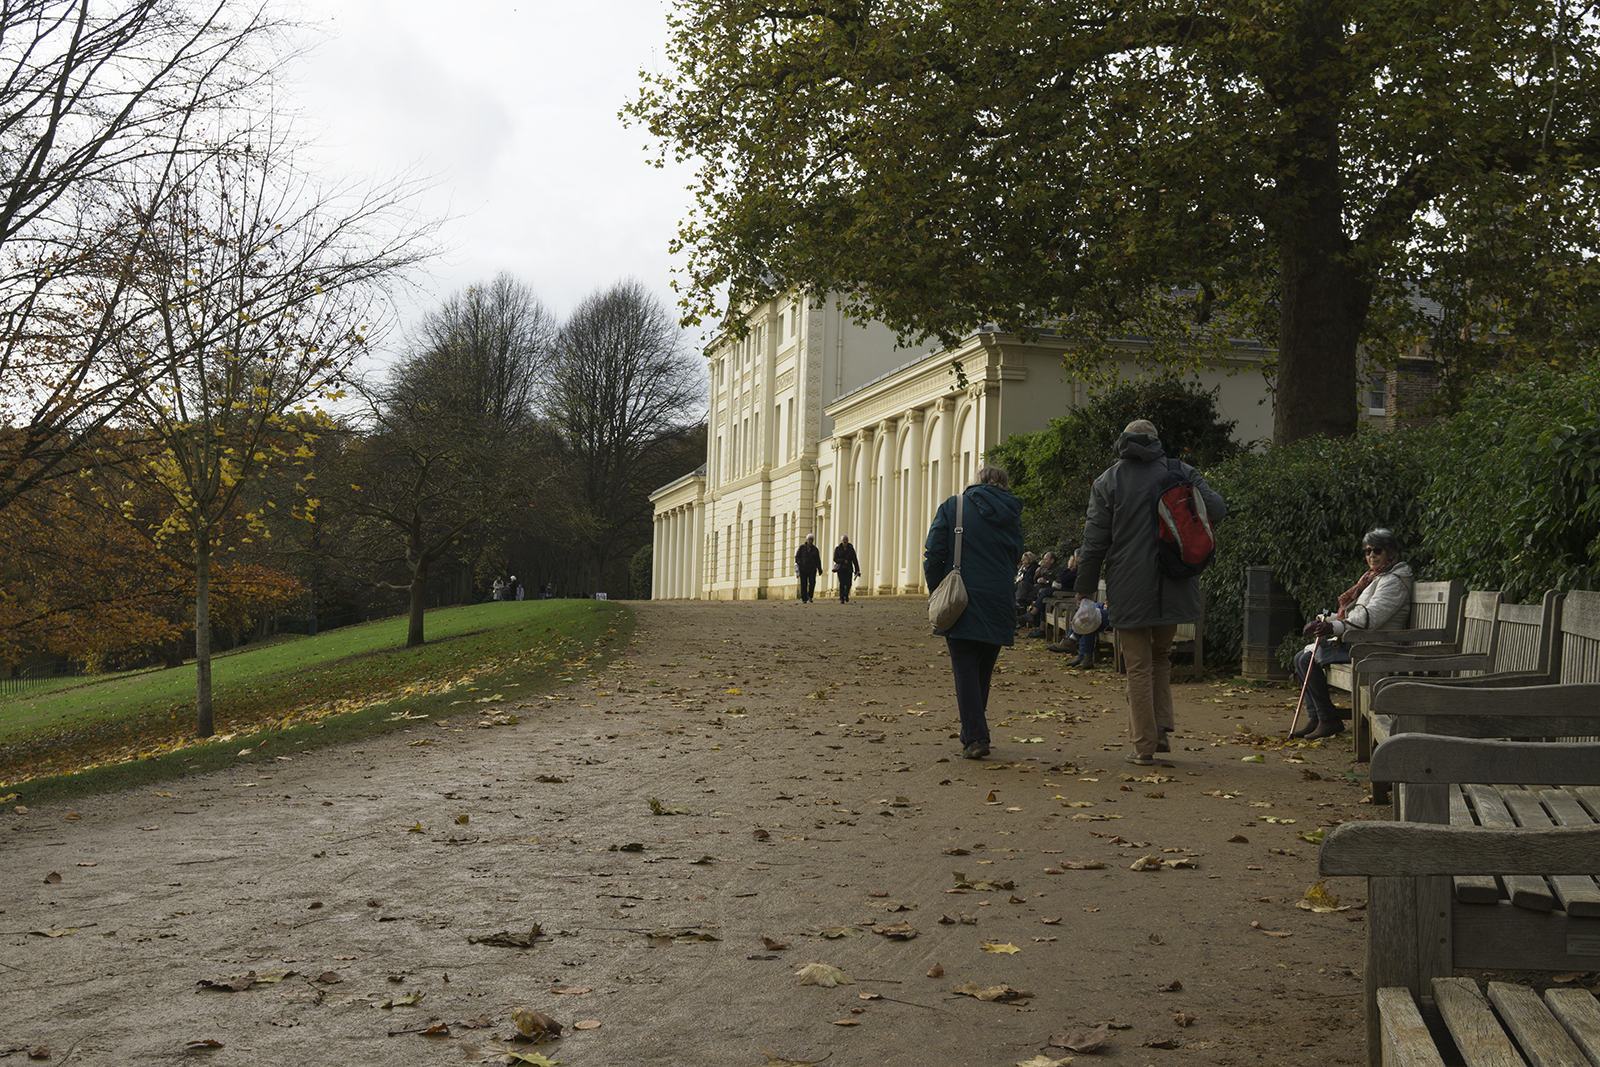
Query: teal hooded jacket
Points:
[991, 546]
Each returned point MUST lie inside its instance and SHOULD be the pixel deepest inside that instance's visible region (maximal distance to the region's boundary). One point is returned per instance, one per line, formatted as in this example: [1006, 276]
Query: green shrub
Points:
[641, 572]
[1302, 510]
[1053, 469]
[1516, 504]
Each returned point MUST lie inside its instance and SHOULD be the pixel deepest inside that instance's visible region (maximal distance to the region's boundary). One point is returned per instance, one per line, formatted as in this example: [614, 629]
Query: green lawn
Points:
[347, 683]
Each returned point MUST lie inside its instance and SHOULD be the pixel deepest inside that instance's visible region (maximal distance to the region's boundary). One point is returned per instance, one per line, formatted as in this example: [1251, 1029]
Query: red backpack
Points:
[1186, 542]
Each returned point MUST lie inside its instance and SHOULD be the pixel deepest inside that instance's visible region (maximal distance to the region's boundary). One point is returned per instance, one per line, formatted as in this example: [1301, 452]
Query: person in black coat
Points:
[807, 565]
[848, 566]
[991, 542]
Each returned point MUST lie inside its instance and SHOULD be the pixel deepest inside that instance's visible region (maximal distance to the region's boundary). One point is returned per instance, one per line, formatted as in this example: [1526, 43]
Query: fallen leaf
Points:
[334, 978]
[1004, 947]
[870, 996]
[462, 818]
[774, 946]
[209, 1042]
[436, 1030]
[550, 778]
[657, 808]
[1082, 1041]
[1271, 933]
[760, 835]
[1173, 986]
[900, 931]
[506, 939]
[401, 1002]
[1183, 1019]
[1317, 899]
[237, 984]
[1044, 1061]
[1165, 1042]
[991, 993]
[824, 975]
[416, 829]
[531, 1059]
[572, 991]
[534, 1024]
[52, 878]
[936, 971]
[837, 932]
[847, 1022]
[1146, 863]
[586, 1024]
[1051, 922]
[1314, 836]
[1238, 839]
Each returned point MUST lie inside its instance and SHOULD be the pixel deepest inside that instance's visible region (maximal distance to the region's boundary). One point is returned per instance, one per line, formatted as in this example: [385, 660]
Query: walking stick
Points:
[1312, 662]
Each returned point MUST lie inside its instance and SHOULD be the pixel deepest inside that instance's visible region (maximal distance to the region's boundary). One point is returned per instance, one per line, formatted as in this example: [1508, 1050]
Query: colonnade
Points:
[676, 567]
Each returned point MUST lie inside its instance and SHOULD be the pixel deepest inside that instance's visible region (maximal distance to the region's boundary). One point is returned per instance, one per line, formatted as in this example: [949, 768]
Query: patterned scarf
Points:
[1351, 595]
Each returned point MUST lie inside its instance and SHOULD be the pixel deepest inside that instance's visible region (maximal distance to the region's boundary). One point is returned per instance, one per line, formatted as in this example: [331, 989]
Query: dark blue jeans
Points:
[1319, 705]
[972, 665]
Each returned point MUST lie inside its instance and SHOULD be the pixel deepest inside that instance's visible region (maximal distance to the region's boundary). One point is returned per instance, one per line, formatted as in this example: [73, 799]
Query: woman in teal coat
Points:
[991, 544]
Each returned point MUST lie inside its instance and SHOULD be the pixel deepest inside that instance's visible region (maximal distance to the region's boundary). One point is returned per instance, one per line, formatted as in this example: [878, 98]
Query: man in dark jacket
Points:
[1121, 536]
[807, 565]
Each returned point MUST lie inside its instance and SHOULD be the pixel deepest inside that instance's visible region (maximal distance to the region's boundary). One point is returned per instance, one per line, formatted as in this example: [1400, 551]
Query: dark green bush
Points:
[1516, 503]
[1053, 469]
[641, 572]
[1302, 510]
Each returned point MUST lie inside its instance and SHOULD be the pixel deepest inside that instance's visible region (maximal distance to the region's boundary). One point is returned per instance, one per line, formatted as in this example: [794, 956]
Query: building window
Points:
[1378, 393]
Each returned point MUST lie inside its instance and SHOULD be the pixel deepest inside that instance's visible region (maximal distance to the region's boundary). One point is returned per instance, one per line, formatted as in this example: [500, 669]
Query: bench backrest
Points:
[1436, 606]
[1525, 638]
[1478, 614]
[1580, 637]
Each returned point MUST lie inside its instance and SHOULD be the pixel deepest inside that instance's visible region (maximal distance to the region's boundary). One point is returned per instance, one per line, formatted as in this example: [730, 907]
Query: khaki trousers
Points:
[1148, 654]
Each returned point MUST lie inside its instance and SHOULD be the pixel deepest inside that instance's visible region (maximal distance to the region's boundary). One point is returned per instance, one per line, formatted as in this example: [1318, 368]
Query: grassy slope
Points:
[137, 728]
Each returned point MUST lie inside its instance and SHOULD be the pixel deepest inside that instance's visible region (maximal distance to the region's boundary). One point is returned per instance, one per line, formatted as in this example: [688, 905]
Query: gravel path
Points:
[809, 752]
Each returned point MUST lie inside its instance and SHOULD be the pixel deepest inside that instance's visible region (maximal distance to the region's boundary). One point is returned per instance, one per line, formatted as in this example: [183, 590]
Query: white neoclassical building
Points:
[822, 426]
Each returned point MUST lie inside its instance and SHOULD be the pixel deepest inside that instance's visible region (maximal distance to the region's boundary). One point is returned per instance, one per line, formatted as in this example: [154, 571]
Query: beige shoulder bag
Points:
[950, 599]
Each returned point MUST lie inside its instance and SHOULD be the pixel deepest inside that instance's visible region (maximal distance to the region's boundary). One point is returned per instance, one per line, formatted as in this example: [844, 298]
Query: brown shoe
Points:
[1327, 728]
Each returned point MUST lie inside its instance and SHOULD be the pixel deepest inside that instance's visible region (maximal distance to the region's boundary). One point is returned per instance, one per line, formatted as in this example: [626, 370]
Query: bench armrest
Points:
[1410, 849]
[1404, 662]
[1420, 697]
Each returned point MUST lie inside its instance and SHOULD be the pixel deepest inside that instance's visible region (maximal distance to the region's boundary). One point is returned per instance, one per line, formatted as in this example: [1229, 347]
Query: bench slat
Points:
[1525, 891]
[1471, 888]
[1579, 896]
[1477, 1033]
[1544, 1041]
[1579, 1012]
[1406, 1040]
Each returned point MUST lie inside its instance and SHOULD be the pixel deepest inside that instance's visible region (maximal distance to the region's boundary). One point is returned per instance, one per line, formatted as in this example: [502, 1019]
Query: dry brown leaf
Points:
[991, 993]
[847, 1022]
[774, 946]
[936, 971]
[52, 878]
[587, 1024]
[507, 939]
[209, 1042]
[823, 974]
[1044, 1061]
[402, 1002]
[1271, 933]
[1173, 986]
[900, 931]
[534, 1025]
[237, 984]
[1081, 1041]
[1183, 1019]
[572, 991]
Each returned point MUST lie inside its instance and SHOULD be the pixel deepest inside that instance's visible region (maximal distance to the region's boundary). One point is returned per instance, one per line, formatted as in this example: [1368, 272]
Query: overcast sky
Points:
[511, 105]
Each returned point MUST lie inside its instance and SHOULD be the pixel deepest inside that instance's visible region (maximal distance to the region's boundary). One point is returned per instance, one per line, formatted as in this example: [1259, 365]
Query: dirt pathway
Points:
[812, 750]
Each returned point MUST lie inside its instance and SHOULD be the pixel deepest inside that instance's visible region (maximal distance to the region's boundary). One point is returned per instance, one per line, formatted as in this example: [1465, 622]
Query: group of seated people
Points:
[1042, 579]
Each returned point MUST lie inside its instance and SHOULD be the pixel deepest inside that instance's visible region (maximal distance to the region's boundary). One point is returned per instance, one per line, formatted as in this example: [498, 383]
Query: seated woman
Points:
[1025, 572]
[1380, 600]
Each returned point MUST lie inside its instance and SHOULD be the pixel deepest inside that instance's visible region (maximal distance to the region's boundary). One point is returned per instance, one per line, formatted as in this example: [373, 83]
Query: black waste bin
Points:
[1269, 615]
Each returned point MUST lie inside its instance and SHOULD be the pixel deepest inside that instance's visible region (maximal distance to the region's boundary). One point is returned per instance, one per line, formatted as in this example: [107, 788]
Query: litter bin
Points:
[1269, 615]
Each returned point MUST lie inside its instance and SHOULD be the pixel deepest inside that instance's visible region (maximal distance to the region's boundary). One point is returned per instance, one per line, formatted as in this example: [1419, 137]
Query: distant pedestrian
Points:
[1121, 536]
[513, 589]
[991, 542]
[807, 565]
[549, 590]
[499, 588]
[847, 566]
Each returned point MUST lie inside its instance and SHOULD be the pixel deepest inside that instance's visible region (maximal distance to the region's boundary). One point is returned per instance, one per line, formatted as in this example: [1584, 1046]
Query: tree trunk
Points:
[1324, 295]
[419, 593]
[203, 726]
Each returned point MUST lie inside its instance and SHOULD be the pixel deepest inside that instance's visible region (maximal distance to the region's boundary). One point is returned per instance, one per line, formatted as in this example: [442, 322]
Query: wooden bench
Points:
[1542, 912]
[1190, 638]
[1521, 653]
[1435, 620]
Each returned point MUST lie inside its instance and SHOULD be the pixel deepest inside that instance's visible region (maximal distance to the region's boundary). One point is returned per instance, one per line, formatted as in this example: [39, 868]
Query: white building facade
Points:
[821, 426]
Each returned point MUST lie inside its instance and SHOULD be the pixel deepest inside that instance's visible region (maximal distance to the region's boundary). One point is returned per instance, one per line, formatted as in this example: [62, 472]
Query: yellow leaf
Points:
[1007, 947]
[462, 818]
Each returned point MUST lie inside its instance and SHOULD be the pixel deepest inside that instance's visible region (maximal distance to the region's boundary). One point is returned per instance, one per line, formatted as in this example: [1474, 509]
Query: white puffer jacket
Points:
[1383, 605]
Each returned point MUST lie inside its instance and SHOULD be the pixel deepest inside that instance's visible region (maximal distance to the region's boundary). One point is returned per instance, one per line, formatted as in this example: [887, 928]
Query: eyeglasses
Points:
[1372, 551]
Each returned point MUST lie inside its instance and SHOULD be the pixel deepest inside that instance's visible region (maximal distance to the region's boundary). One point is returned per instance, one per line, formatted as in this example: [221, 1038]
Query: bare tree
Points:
[452, 438]
[624, 388]
[91, 97]
[253, 291]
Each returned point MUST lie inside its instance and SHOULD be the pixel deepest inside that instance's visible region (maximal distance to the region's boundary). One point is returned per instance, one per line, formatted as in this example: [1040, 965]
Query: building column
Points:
[914, 494]
[883, 529]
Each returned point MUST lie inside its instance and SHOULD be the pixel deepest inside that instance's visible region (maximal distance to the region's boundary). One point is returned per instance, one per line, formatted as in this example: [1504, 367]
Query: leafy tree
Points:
[253, 291]
[1187, 173]
[99, 110]
[1052, 470]
[452, 439]
[641, 572]
[623, 399]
